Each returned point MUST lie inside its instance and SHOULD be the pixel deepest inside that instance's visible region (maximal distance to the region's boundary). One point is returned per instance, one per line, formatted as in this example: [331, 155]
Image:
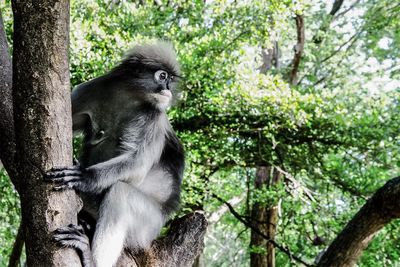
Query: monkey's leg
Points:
[73, 236]
[112, 225]
[126, 217]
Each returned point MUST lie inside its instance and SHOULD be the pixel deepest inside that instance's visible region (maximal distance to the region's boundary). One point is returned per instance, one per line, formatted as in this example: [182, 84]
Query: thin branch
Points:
[216, 215]
[336, 6]
[296, 184]
[215, 52]
[256, 230]
[17, 248]
[348, 9]
[351, 40]
[333, 70]
[337, 182]
[324, 27]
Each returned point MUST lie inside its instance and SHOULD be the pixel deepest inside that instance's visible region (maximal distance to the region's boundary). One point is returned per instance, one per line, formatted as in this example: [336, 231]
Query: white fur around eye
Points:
[161, 76]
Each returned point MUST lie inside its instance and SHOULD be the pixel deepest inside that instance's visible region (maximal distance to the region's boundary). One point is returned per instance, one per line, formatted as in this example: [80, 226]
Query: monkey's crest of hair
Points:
[154, 55]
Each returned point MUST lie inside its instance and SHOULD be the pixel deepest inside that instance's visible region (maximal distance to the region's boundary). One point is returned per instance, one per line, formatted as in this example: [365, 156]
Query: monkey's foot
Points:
[64, 177]
[73, 236]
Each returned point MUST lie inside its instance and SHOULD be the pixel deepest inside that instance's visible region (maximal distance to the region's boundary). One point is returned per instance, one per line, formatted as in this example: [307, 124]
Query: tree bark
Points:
[379, 210]
[180, 247]
[7, 138]
[265, 219]
[298, 49]
[43, 127]
[270, 58]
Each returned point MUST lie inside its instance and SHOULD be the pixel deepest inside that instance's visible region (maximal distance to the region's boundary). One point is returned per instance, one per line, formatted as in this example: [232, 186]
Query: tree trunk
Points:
[265, 219]
[298, 50]
[7, 138]
[270, 58]
[43, 127]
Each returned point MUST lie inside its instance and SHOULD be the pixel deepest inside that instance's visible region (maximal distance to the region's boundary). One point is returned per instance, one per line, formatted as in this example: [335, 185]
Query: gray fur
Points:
[160, 52]
[132, 162]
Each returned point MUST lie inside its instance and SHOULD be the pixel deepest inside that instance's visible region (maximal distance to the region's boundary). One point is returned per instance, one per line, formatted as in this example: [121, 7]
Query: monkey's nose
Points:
[166, 93]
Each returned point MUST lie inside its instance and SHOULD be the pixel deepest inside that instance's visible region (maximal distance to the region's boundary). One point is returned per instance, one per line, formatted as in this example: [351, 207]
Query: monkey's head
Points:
[152, 73]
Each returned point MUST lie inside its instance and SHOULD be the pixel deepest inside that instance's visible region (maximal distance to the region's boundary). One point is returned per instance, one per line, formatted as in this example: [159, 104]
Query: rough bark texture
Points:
[298, 49]
[379, 210]
[270, 58]
[42, 119]
[258, 214]
[180, 247]
[272, 218]
[7, 138]
[265, 219]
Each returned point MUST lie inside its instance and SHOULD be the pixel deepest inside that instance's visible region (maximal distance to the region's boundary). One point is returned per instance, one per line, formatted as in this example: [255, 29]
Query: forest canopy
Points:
[307, 91]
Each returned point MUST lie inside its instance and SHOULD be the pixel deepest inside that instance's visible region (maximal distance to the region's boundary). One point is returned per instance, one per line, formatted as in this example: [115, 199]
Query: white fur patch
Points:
[148, 148]
[157, 185]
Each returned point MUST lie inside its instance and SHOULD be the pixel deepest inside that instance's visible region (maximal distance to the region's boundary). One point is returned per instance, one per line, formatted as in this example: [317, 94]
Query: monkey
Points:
[131, 167]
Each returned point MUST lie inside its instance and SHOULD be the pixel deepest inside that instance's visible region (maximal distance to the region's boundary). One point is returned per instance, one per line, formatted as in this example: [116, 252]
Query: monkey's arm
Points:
[81, 122]
[100, 176]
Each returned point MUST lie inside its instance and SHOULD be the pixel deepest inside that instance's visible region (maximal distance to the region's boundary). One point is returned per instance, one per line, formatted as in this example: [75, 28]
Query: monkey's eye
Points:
[161, 76]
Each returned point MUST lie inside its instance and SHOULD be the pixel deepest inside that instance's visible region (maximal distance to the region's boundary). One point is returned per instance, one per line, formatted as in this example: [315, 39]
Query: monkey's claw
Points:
[73, 236]
[64, 177]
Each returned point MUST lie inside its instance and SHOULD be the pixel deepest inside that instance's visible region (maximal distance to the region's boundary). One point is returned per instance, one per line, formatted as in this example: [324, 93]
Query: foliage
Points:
[9, 217]
[336, 132]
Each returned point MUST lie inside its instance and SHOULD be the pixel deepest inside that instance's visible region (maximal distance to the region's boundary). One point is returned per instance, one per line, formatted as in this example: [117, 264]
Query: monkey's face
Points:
[159, 88]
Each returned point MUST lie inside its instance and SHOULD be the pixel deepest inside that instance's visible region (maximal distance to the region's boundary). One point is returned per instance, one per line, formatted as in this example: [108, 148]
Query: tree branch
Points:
[216, 215]
[17, 248]
[379, 210]
[180, 247]
[257, 122]
[256, 230]
[336, 6]
[351, 40]
[298, 50]
[348, 9]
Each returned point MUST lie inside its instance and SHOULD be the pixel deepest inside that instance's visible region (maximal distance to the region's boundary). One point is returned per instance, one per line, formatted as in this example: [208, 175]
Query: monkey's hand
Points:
[66, 177]
[73, 236]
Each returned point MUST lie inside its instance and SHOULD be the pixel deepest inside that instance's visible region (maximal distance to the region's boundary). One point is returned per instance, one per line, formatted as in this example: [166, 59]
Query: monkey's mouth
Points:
[161, 98]
[166, 93]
